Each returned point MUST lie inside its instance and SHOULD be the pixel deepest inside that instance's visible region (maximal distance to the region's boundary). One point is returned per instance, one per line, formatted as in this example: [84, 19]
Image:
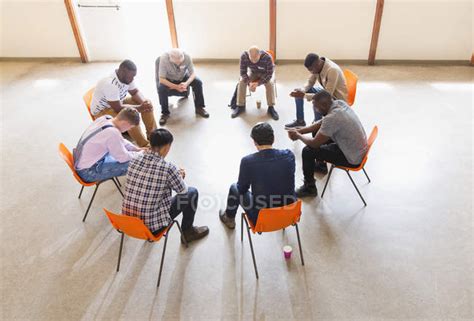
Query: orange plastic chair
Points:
[68, 158]
[372, 137]
[270, 220]
[88, 100]
[351, 83]
[134, 227]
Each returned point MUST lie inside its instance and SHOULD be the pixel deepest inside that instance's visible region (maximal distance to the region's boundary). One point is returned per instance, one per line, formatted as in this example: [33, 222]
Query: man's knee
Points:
[309, 152]
[192, 192]
[163, 89]
[196, 82]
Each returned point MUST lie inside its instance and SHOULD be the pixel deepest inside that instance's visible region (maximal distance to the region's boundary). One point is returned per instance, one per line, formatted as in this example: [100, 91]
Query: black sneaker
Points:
[237, 111]
[228, 221]
[194, 233]
[321, 168]
[273, 113]
[306, 190]
[164, 119]
[296, 124]
[232, 106]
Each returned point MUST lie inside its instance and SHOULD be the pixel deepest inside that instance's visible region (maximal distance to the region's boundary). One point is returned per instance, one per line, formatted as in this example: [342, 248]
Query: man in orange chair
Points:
[102, 153]
[260, 65]
[339, 139]
[150, 182]
[330, 78]
[269, 173]
[110, 97]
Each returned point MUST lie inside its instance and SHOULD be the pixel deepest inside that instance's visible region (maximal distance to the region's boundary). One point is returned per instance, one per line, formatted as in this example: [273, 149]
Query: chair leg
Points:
[366, 174]
[80, 193]
[299, 243]
[251, 249]
[118, 182]
[350, 177]
[90, 203]
[327, 181]
[118, 187]
[164, 252]
[242, 228]
[120, 251]
[181, 233]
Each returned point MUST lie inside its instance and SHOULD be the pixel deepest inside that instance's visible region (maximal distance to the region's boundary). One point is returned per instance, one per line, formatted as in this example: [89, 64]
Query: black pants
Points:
[186, 204]
[164, 92]
[328, 153]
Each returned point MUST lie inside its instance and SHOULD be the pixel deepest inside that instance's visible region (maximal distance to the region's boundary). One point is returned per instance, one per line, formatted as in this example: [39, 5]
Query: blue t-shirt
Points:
[270, 175]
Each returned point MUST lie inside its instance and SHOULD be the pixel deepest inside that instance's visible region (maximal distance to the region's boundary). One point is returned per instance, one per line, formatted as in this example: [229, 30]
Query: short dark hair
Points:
[128, 64]
[310, 59]
[160, 137]
[322, 95]
[262, 134]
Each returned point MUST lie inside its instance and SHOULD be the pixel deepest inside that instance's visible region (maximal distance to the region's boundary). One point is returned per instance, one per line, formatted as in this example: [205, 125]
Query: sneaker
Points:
[202, 112]
[321, 167]
[273, 113]
[231, 106]
[164, 119]
[194, 233]
[228, 221]
[237, 111]
[296, 124]
[306, 190]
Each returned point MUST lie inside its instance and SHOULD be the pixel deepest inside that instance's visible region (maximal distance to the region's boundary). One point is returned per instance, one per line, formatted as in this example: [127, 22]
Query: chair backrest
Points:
[370, 141]
[68, 158]
[157, 70]
[277, 218]
[272, 54]
[351, 83]
[131, 226]
[88, 100]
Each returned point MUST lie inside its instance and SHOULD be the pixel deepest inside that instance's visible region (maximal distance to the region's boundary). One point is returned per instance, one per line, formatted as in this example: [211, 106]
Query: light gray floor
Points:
[407, 255]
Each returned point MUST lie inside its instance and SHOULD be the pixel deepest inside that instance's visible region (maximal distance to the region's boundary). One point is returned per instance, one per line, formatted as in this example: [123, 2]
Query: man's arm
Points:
[176, 181]
[243, 68]
[332, 79]
[190, 79]
[311, 128]
[268, 71]
[316, 141]
[168, 83]
[243, 184]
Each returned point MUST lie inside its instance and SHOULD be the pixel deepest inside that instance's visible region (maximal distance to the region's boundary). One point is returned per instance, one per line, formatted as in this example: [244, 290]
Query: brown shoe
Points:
[228, 221]
[202, 112]
[194, 233]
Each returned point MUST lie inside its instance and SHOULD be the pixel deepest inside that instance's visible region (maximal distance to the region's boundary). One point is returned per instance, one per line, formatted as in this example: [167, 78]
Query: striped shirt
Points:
[264, 67]
[150, 180]
[109, 89]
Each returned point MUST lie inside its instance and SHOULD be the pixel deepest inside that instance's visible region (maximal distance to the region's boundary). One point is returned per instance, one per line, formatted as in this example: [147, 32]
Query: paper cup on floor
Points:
[287, 251]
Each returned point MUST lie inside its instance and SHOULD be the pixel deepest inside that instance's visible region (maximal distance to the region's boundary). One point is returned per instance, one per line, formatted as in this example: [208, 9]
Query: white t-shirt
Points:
[109, 89]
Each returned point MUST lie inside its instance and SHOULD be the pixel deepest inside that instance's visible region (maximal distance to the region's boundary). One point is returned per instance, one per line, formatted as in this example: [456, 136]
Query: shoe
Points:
[296, 124]
[273, 113]
[237, 111]
[194, 233]
[228, 221]
[232, 106]
[321, 168]
[202, 112]
[164, 119]
[306, 190]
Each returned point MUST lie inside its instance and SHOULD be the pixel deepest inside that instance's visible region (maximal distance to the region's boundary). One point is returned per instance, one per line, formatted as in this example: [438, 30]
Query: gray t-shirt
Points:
[343, 126]
[174, 72]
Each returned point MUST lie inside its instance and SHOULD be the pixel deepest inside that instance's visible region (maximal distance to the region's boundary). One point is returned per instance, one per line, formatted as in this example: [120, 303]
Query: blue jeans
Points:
[300, 105]
[104, 169]
[234, 199]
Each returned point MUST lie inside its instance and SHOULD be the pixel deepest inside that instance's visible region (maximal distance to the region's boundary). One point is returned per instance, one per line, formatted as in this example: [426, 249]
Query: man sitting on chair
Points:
[339, 139]
[109, 99]
[150, 181]
[174, 75]
[102, 152]
[330, 78]
[269, 173]
[260, 64]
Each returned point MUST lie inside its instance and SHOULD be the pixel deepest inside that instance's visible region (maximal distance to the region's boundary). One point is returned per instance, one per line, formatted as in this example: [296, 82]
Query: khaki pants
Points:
[242, 90]
[136, 132]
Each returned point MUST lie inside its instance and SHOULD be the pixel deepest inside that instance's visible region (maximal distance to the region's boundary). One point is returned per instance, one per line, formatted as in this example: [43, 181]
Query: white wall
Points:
[36, 28]
[423, 29]
[338, 29]
[221, 29]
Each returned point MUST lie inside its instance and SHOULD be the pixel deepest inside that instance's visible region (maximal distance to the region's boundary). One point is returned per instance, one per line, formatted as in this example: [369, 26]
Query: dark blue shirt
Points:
[270, 174]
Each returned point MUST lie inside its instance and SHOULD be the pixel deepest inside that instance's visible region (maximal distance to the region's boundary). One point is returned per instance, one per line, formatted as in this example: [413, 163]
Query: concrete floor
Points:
[407, 255]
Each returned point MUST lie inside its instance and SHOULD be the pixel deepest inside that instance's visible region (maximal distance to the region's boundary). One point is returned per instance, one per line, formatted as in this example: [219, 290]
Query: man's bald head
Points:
[254, 54]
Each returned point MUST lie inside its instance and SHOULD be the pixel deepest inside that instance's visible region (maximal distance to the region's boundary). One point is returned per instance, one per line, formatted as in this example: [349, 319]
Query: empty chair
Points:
[272, 219]
[134, 227]
[372, 137]
[88, 100]
[351, 83]
[67, 156]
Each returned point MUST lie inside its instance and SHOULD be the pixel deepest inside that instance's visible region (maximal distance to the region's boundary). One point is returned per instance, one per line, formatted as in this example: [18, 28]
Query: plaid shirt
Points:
[263, 66]
[150, 180]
